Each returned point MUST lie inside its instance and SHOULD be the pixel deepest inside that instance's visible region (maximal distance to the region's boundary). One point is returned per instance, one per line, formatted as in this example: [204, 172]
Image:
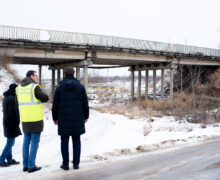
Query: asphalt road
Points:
[191, 162]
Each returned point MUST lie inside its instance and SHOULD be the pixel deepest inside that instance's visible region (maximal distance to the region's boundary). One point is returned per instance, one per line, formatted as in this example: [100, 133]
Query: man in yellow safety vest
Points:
[30, 98]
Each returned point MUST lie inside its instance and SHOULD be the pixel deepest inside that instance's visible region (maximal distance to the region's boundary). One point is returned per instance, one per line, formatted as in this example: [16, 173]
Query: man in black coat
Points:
[10, 125]
[70, 111]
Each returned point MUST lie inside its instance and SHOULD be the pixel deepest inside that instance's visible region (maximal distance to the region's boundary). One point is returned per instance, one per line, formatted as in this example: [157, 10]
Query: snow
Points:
[108, 137]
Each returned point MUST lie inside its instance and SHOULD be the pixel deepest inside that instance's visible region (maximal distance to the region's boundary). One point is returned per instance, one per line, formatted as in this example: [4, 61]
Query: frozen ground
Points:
[108, 137]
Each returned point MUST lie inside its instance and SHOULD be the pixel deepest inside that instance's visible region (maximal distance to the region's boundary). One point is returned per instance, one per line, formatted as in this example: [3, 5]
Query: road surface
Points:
[192, 162]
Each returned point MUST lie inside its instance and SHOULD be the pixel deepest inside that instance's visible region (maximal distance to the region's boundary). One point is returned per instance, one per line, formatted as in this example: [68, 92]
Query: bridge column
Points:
[40, 73]
[139, 85]
[181, 78]
[146, 85]
[78, 73]
[171, 83]
[58, 76]
[154, 84]
[53, 82]
[85, 76]
[162, 83]
[132, 84]
[63, 73]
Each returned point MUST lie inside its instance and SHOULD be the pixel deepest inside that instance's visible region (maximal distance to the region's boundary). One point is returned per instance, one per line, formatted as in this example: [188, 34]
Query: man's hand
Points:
[86, 120]
[56, 122]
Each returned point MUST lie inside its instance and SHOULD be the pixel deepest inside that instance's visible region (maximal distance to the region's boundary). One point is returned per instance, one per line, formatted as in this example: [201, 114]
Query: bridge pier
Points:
[40, 74]
[132, 84]
[85, 77]
[78, 73]
[154, 84]
[58, 76]
[146, 85]
[171, 83]
[154, 68]
[162, 83]
[139, 85]
[63, 73]
[53, 82]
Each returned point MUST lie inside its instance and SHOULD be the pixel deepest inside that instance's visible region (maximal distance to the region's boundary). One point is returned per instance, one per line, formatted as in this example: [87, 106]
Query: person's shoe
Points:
[33, 169]
[3, 164]
[76, 166]
[66, 168]
[13, 162]
[25, 169]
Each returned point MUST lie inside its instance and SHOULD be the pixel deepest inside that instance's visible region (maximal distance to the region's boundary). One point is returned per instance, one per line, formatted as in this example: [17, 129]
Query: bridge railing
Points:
[8, 32]
[19, 33]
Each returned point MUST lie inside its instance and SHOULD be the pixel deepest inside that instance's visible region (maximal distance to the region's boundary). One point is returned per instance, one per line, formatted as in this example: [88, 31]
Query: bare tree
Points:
[5, 62]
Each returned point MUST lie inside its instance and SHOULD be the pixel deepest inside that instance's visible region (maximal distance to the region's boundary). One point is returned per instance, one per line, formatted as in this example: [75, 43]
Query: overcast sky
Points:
[192, 22]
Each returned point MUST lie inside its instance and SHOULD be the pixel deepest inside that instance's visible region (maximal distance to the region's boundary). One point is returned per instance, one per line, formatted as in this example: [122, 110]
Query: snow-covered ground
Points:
[108, 137]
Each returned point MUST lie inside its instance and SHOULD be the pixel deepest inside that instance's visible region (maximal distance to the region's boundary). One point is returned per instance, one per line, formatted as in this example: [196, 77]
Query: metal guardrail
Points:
[9, 32]
[19, 33]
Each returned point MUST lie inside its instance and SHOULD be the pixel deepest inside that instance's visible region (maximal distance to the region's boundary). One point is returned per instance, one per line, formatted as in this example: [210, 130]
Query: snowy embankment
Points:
[108, 137]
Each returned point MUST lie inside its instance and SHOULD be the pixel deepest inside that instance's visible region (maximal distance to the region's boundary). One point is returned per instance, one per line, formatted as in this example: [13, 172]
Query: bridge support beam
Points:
[85, 77]
[63, 73]
[53, 82]
[162, 83]
[171, 83]
[146, 85]
[181, 78]
[58, 76]
[132, 85]
[78, 73]
[154, 84]
[40, 73]
[139, 85]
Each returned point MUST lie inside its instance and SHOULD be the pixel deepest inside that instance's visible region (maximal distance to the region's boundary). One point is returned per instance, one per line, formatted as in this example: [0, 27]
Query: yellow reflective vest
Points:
[30, 108]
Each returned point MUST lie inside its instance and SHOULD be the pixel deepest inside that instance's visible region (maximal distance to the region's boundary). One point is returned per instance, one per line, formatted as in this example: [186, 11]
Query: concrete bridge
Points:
[60, 49]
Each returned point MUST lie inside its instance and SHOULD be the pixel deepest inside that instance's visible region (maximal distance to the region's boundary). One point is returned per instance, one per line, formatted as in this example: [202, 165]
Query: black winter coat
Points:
[70, 107]
[10, 115]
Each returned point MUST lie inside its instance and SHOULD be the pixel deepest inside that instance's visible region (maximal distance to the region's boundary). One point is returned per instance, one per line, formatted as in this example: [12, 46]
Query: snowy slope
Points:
[107, 137]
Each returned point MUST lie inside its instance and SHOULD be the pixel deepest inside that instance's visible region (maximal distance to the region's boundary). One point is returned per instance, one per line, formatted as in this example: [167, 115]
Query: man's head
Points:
[33, 75]
[68, 71]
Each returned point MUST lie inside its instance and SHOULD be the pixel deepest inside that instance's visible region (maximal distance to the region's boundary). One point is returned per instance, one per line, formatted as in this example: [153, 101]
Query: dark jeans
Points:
[7, 151]
[65, 149]
[30, 147]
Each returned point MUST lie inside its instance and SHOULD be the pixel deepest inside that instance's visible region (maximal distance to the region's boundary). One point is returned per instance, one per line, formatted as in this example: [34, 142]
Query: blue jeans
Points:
[65, 149]
[30, 147]
[7, 151]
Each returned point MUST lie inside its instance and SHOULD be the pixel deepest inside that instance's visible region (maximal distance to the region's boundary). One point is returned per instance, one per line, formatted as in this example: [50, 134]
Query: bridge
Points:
[59, 49]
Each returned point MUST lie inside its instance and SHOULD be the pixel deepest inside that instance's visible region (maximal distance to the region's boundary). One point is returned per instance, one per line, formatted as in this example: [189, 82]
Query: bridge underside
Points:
[44, 53]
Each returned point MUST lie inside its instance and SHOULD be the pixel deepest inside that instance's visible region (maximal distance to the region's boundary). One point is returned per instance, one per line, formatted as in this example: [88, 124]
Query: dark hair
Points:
[30, 73]
[68, 71]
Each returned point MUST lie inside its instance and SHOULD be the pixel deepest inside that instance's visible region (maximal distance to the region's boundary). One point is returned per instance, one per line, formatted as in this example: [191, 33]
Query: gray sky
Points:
[192, 22]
